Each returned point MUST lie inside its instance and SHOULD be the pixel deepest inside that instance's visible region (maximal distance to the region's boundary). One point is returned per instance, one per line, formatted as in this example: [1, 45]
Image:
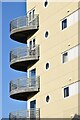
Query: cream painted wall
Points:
[73, 89]
[58, 75]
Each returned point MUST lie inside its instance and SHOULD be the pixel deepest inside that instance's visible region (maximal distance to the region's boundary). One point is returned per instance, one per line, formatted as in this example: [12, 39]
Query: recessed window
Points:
[65, 57]
[33, 12]
[47, 66]
[47, 99]
[46, 3]
[66, 92]
[64, 24]
[30, 16]
[33, 42]
[30, 44]
[46, 34]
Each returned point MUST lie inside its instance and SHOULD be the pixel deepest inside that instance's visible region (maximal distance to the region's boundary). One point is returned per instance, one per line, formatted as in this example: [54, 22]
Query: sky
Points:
[10, 10]
[0, 60]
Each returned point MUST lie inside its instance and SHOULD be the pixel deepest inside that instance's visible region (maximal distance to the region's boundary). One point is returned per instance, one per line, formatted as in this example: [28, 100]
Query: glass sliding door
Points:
[33, 109]
[33, 77]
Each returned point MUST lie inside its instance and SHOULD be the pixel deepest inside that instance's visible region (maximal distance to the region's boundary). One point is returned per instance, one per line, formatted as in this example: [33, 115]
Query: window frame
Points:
[48, 67]
[63, 57]
[30, 16]
[66, 90]
[64, 24]
[49, 98]
[45, 6]
[46, 34]
[34, 42]
[46, 31]
[33, 13]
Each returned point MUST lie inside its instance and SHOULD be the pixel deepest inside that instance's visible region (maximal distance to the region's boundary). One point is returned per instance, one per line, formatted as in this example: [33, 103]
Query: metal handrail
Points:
[32, 113]
[24, 21]
[24, 52]
[25, 83]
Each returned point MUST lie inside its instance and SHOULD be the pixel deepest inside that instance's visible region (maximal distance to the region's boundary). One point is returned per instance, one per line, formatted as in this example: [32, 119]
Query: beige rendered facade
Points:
[54, 35]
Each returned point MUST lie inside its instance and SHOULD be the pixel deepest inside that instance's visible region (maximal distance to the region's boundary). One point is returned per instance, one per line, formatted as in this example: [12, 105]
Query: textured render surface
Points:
[79, 60]
[59, 75]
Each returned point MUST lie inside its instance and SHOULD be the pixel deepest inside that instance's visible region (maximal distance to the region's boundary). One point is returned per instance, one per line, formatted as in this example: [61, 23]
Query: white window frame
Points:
[47, 4]
[48, 34]
[49, 99]
[62, 24]
[63, 92]
[62, 57]
[45, 66]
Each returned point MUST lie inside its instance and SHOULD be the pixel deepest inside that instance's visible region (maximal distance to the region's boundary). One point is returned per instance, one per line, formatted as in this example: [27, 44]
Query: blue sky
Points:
[10, 10]
[0, 60]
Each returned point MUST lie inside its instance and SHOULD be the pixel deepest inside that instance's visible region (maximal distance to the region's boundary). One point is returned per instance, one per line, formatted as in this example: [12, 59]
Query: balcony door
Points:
[33, 73]
[31, 15]
[33, 109]
[33, 104]
[32, 44]
[33, 78]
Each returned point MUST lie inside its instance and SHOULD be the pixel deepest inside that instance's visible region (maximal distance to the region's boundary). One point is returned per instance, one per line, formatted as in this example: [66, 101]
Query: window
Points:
[30, 44]
[33, 104]
[66, 92]
[64, 24]
[30, 16]
[46, 3]
[47, 99]
[47, 66]
[33, 13]
[33, 42]
[65, 57]
[46, 34]
[32, 73]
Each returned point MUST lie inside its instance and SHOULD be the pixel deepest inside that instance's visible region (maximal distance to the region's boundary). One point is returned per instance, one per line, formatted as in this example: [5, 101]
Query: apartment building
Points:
[50, 31]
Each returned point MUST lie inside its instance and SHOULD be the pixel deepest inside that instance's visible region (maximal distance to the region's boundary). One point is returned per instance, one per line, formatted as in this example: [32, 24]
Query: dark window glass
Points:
[47, 65]
[66, 92]
[65, 57]
[33, 104]
[64, 24]
[33, 42]
[47, 99]
[30, 16]
[46, 34]
[46, 3]
[30, 44]
[33, 73]
[33, 13]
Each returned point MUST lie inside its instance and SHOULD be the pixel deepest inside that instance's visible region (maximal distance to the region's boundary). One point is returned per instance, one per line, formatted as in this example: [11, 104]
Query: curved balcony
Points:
[32, 113]
[23, 58]
[22, 28]
[24, 88]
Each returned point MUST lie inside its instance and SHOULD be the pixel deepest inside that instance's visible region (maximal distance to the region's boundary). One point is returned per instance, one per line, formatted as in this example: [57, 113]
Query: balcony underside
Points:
[22, 34]
[22, 95]
[23, 65]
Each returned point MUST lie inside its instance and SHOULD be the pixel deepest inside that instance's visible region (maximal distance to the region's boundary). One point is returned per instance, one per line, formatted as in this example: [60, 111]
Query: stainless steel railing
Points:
[28, 84]
[24, 21]
[32, 113]
[24, 53]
